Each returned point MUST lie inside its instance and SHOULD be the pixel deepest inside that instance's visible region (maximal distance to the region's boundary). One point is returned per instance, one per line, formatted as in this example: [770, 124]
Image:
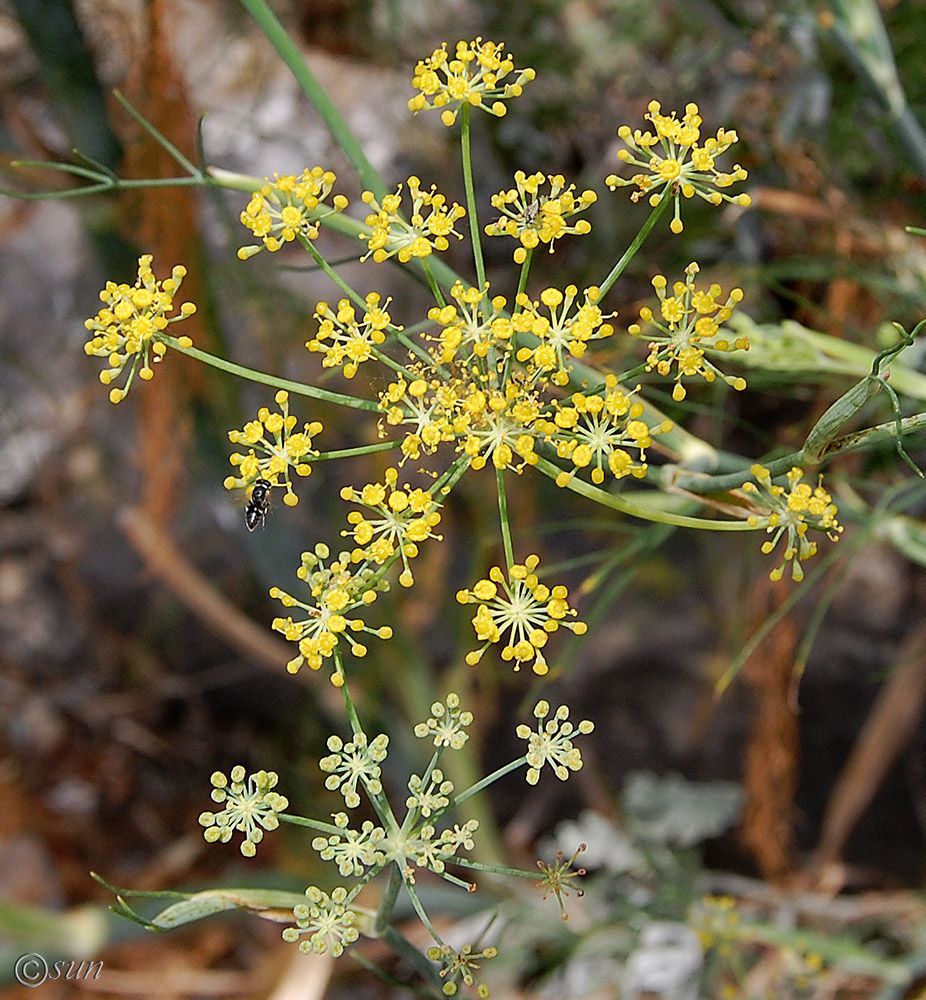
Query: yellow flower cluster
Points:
[399, 520]
[533, 216]
[562, 331]
[552, 743]
[495, 412]
[132, 324]
[353, 763]
[324, 923]
[461, 967]
[474, 77]
[345, 342]
[594, 430]
[473, 327]
[790, 512]
[517, 608]
[391, 235]
[282, 450]
[251, 807]
[680, 165]
[689, 325]
[344, 586]
[289, 207]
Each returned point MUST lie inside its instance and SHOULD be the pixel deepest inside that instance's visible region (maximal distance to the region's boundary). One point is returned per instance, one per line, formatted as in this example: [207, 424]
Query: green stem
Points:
[415, 958]
[503, 517]
[630, 252]
[336, 278]
[387, 904]
[484, 783]
[349, 707]
[480, 866]
[451, 476]
[466, 152]
[697, 483]
[617, 502]
[312, 824]
[422, 914]
[366, 449]
[432, 283]
[160, 139]
[525, 271]
[379, 800]
[323, 104]
[298, 388]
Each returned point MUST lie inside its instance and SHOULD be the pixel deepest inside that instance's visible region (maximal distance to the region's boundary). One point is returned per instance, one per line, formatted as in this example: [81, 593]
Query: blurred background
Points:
[135, 650]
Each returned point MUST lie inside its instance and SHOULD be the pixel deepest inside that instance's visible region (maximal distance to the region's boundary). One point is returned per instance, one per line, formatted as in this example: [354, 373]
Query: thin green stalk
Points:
[312, 824]
[700, 483]
[335, 278]
[466, 153]
[617, 502]
[387, 904]
[415, 958]
[432, 283]
[366, 449]
[322, 103]
[298, 388]
[780, 612]
[452, 476]
[158, 137]
[503, 517]
[422, 913]
[104, 185]
[483, 783]
[525, 271]
[349, 707]
[631, 251]
[479, 866]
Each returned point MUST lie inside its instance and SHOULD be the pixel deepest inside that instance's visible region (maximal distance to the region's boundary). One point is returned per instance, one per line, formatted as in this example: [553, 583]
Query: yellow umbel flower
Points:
[446, 723]
[520, 610]
[345, 342]
[400, 519]
[391, 235]
[499, 423]
[132, 325]
[460, 967]
[690, 325]
[326, 921]
[552, 742]
[563, 331]
[791, 512]
[534, 216]
[424, 407]
[680, 166]
[474, 76]
[289, 207]
[281, 450]
[473, 327]
[602, 430]
[355, 762]
[251, 807]
[336, 589]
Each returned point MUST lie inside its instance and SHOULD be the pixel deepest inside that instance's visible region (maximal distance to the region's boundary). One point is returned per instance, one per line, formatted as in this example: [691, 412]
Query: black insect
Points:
[258, 504]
